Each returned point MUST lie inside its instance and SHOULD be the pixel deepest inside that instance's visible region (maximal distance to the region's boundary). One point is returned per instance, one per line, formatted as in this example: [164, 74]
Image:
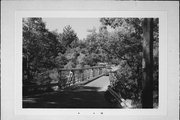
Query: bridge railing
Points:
[116, 95]
[76, 75]
[67, 78]
[112, 78]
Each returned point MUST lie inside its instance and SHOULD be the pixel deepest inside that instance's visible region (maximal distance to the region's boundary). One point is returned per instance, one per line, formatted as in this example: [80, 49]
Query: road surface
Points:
[90, 95]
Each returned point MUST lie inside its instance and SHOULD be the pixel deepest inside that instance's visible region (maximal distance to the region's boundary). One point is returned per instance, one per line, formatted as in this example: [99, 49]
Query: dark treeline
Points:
[44, 51]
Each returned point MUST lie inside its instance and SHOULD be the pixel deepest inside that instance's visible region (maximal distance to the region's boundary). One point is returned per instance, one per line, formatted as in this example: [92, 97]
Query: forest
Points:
[45, 51]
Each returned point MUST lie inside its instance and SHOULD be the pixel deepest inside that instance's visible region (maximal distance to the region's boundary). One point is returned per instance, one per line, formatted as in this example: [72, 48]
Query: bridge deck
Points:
[90, 95]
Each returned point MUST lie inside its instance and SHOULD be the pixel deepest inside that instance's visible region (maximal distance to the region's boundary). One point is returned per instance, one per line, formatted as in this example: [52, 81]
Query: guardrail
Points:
[69, 77]
[76, 75]
[113, 79]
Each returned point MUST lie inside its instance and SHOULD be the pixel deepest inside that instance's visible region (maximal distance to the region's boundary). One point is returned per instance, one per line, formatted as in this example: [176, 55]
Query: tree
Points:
[147, 93]
[69, 37]
[40, 48]
[61, 60]
[125, 44]
[33, 29]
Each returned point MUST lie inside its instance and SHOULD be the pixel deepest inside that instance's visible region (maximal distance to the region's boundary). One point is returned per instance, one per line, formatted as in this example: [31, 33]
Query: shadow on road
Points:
[81, 97]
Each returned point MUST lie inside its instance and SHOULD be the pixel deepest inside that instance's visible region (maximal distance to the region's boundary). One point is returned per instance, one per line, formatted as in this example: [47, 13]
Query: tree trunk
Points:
[147, 64]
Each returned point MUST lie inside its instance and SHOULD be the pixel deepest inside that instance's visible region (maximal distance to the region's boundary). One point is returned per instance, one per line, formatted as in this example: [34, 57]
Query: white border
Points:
[162, 110]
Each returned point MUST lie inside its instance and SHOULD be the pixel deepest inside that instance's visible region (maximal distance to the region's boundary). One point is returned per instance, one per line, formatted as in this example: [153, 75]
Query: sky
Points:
[79, 25]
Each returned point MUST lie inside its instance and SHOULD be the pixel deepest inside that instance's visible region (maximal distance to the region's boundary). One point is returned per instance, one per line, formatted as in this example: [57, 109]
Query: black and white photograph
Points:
[90, 62]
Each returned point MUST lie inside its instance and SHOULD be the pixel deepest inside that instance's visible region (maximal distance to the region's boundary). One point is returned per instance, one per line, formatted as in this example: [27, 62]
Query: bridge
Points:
[76, 88]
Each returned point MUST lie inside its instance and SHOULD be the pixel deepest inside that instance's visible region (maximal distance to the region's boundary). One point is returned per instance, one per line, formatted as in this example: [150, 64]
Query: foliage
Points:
[45, 50]
[125, 45]
[69, 37]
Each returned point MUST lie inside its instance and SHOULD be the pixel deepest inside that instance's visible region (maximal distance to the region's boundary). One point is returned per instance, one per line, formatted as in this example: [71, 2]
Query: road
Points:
[102, 83]
[90, 95]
